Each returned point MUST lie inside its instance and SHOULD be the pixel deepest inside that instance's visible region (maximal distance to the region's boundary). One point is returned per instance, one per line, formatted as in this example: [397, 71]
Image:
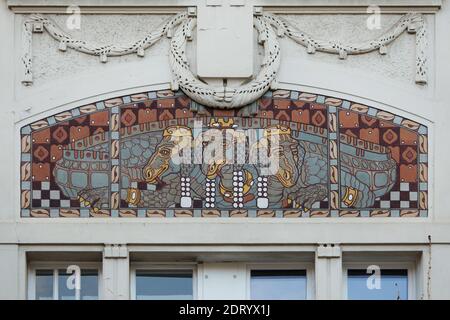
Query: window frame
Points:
[397, 265]
[55, 266]
[145, 266]
[310, 276]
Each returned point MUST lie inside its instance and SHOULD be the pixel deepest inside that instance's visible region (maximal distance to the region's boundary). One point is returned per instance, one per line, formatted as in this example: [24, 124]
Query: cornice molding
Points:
[175, 6]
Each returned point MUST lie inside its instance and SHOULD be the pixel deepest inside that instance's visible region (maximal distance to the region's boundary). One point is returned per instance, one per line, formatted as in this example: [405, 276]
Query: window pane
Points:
[44, 284]
[88, 283]
[64, 293]
[161, 285]
[278, 284]
[393, 285]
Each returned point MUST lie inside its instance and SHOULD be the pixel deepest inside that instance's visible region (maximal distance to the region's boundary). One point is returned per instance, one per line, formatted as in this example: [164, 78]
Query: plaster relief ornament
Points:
[269, 26]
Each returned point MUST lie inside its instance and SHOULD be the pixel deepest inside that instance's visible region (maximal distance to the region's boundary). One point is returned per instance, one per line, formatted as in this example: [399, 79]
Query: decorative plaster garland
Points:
[226, 97]
[38, 24]
[412, 23]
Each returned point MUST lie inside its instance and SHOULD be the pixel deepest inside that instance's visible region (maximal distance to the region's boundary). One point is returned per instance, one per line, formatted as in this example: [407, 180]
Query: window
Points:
[155, 283]
[47, 282]
[391, 285]
[278, 284]
[382, 275]
[44, 285]
[288, 281]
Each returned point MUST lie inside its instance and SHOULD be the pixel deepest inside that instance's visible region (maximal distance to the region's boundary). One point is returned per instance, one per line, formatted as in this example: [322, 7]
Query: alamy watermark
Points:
[73, 22]
[227, 147]
[374, 280]
[74, 280]
[374, 20]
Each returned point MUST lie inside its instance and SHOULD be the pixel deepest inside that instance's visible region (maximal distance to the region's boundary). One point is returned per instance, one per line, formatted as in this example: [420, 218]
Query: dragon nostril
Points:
[148, 172]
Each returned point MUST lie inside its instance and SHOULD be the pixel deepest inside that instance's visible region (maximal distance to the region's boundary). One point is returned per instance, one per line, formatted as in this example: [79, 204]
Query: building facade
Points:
[224, 149]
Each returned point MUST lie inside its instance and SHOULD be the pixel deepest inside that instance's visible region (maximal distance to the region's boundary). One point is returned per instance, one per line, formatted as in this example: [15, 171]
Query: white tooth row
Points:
[238, 184]
[185, 187]
[238, 189]
[262, 187]
[210, 193]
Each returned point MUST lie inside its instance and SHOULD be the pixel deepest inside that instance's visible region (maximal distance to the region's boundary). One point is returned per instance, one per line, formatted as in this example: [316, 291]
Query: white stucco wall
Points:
[66, 80]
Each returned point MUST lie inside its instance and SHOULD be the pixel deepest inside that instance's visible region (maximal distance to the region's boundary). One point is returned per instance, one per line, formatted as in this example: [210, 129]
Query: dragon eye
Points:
[164, 152]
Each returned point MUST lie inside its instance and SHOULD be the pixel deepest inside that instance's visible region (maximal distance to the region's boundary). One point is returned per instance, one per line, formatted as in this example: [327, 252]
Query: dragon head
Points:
[175, 138]
[278, 142]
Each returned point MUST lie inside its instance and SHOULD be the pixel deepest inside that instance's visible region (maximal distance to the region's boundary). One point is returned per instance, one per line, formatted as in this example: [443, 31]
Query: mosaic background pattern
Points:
[88, 162]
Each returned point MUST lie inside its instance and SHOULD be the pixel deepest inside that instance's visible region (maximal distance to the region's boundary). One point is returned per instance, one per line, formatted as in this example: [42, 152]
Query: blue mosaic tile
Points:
[423, 130]
[170, 213]
[142, 213]
[197, 213]
[26, 157]
[423, 158]
[54, 213]
[320, 99]
[26, 185]
[75, 112]
[25, 130]
[51, 120]
[84, 213]
[404, 186]
[372, 112]
[114, 135]
[346, 104]
[25, 213]
[294, 95]
[397, 120]
[365, 213]
[45, 185]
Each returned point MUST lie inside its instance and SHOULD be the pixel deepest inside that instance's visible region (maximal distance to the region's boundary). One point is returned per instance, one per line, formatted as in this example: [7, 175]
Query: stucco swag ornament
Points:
[180, 29]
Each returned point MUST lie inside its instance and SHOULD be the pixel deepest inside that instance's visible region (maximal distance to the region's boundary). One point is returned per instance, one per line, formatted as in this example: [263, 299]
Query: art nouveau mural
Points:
[114, 158]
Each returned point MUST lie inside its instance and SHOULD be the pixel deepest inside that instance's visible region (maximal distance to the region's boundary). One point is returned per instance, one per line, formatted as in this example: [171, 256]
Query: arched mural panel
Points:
[114, 159]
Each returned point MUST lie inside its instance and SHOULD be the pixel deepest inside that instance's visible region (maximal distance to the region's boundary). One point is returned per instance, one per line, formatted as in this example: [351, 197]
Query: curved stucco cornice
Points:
[88, 87]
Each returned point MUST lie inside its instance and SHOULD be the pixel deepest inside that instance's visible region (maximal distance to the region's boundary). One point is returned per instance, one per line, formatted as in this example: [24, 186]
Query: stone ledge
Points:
[173, 6]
